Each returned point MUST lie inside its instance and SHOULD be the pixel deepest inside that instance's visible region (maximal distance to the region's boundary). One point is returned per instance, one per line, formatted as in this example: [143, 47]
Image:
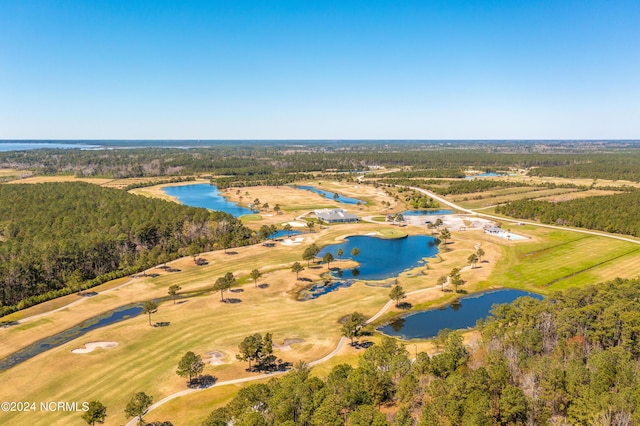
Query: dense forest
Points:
[423, 159]
[573, 358]
[616, 213]
[56, 236]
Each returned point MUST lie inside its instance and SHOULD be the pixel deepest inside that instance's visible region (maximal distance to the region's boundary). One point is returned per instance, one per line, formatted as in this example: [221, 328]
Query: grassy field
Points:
[556, 260]
[491, 199]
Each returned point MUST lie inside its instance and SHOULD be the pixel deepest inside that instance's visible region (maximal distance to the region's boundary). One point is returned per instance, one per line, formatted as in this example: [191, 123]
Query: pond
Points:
[207, 196]
[320, 289]
[284, 234]
[381, 258]
[112, 317]
[426, 212]
[331, 195]
[464, 314]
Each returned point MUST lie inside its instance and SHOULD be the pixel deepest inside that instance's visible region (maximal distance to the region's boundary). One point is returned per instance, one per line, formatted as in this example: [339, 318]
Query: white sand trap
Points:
[371, 233]
[89, 347]
[267, 215]
[296, 224]
[214, 358]
[290, 242]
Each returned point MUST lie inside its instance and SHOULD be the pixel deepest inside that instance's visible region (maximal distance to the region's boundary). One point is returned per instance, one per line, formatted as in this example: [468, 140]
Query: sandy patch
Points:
[292, 242]
[371, 233]
[89, 347]
[215, 358]
[286, 344]
[295, 224]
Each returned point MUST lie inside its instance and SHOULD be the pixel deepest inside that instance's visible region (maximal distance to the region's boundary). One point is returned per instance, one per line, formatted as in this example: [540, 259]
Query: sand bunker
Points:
[295, 224]
[286, 344]
[89, 347]
[214, 358]
[292, 242]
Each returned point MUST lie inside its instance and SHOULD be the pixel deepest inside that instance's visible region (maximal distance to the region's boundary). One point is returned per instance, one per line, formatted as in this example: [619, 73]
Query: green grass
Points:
[250, 217]
[562, 260]
[391, 233]
[29, 325]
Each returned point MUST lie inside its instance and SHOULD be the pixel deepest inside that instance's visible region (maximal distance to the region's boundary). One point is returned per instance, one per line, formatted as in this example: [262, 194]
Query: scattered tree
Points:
[190, 366]
[287, 227]
[95, 414]
[472, 259]
[445, 235]
[355, 252]
[353, 325]
[138, 406]
[258, 349]
[328, 258]
[173, 291]
[255, 274]
[455, 278]
[442, 281]
[149, 308]
[480, 253]
[310, 225]
[277, 209]
[397, 293]
[224, 283]
[297, 268]
[340, 252]
[310, 253]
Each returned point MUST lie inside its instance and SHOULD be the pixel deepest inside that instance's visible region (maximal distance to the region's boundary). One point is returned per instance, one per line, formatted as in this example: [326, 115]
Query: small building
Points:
[335, 216]
[493, 229]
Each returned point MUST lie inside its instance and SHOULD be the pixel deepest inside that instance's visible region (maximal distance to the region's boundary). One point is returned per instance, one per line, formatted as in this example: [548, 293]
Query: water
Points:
[25, 146]
[284, 234]
[330, 195]
[112, 317]
[464, 314]
[207, 196]
[426, 212]
[320, 289]
[481, 175]
[381, 258]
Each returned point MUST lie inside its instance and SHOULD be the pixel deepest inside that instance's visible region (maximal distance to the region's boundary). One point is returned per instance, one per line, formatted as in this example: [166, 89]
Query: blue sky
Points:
[303, 69]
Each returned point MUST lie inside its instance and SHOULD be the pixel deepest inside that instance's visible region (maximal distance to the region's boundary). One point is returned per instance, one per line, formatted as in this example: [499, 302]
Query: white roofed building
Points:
[335, 215]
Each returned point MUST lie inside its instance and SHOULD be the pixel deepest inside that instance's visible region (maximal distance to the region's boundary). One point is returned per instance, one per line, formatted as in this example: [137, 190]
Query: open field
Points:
[43, 179]
[535, 180]
[555, 260]
[491, 199]
[575, 195]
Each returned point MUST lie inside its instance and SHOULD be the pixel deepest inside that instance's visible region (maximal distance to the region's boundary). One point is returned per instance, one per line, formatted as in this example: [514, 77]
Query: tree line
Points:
[615, 213]
[57, 238]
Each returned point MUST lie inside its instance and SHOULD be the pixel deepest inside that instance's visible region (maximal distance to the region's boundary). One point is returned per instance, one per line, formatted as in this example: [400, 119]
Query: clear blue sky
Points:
[313, 69]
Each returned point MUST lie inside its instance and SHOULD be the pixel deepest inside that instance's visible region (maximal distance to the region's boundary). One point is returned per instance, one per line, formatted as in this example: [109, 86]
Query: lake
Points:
[461, 315]
[207, 196]
[284, 234]
[330, 195]
[426, 212]
[381, 258]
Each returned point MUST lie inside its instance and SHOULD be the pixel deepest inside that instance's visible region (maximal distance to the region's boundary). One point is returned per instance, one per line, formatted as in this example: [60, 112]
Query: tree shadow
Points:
[162, 324]
[87, 293]
[362, 345]
[308, 280]
[263, 286]
[404, 305]
[236, 290]
[202, 382]
[201, 262]
[174, 270]
[231, 252]
[181, 302]
[231, 300]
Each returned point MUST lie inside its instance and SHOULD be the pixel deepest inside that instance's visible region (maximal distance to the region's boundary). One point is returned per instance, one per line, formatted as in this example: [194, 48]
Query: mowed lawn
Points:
[563, 259]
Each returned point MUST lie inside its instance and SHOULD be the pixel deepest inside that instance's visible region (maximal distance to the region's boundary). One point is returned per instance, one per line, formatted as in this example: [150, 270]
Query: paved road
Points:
[503, 219]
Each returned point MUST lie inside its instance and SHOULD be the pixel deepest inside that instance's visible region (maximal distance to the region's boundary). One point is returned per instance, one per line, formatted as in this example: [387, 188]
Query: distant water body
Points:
[207, 196]
[27, 146]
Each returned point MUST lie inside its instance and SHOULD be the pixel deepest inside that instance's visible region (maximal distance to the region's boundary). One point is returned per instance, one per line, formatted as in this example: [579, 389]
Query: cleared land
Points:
[575, 195]
[491, 198]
